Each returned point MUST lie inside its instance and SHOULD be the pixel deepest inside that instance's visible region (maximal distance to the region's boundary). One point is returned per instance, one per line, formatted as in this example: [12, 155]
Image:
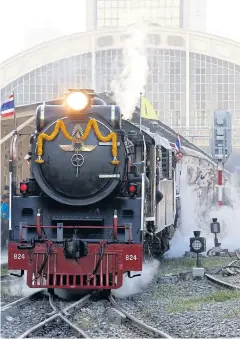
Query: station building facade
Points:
[190, 75]
[187, 14]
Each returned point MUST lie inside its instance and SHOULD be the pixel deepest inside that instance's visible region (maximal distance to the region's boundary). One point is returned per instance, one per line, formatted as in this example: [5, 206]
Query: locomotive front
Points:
[71, 226]
[84, 154]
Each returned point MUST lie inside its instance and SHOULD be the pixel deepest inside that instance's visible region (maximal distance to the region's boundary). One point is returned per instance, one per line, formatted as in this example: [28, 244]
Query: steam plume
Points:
[198, 218]
[137, 284]
[133, 78]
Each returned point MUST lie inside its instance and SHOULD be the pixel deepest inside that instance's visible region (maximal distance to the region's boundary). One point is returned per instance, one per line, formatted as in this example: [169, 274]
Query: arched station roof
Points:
[80, 43]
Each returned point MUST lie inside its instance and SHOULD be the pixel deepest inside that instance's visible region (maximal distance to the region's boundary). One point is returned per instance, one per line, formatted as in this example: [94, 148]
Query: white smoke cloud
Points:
[18, 287]
[132, 286]
[132, 80]
[198, 218]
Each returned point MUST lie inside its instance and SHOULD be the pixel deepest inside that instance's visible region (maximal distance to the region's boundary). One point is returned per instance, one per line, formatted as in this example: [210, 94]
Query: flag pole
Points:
[140, 126]
[14, 117]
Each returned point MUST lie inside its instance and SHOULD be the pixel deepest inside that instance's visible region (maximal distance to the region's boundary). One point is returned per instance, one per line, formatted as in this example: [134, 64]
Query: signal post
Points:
[221, 146]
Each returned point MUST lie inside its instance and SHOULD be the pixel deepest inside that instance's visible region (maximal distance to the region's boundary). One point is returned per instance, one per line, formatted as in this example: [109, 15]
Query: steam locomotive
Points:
[102, 191]
[77, 221]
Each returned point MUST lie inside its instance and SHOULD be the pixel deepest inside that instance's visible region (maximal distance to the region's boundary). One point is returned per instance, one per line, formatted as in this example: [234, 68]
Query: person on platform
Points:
[4, 219]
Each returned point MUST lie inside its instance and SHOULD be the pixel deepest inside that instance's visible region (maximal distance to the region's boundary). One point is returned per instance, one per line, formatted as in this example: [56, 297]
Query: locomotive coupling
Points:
[75, 248]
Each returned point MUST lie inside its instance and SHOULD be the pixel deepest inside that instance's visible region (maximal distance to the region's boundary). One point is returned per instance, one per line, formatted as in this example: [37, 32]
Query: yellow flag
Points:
[147, 110]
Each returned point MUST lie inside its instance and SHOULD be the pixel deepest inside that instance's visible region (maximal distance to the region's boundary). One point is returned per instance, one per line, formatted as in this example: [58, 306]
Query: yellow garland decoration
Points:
[61, 126]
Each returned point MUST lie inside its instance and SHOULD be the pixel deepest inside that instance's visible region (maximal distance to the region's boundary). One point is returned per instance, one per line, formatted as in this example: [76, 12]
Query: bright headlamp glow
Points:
[77, 101]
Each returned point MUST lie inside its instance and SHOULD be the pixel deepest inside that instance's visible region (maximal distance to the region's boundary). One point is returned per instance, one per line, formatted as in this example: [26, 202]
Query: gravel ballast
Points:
[185, 309]
[56, 329]
[94, 321]
[18, 319]
[188, 308]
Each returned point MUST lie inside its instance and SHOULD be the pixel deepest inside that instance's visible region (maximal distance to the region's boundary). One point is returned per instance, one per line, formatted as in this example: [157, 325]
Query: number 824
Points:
[18, 256]
[131, 257]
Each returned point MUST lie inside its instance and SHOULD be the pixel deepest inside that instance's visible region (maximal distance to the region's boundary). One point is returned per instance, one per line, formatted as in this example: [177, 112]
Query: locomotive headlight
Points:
[77, 101]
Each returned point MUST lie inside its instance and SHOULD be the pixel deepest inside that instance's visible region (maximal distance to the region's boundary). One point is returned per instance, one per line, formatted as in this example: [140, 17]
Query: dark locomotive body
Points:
[78, 224]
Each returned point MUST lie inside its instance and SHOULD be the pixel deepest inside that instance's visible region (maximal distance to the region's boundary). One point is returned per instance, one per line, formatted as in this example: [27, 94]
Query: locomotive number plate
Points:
[18, 256]
[131, 257]
[17, 259]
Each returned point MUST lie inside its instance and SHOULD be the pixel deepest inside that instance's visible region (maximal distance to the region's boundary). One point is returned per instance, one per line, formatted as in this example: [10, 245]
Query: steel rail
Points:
[235, 264]
[59, 314]
[80, 302]
[221, 282]
[37, 327]
[139, 323]
[21, 300]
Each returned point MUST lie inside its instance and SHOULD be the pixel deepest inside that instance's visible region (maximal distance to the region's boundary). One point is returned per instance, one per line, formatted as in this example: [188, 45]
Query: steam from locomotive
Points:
[131, 81]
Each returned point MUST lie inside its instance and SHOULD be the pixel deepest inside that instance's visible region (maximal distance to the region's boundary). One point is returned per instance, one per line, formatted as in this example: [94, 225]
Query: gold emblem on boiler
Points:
[77, 144]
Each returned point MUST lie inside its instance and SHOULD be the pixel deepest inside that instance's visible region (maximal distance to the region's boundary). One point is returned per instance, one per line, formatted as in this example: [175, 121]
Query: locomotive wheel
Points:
[165, 241]
[153, 247]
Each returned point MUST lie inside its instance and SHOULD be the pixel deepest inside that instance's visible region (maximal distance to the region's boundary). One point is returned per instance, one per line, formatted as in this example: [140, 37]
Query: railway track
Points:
[12, 310]
[140, 325]
[65, 319]
[56, 316]
[232, 269]
[20, 301]
[131, 324]
[222, 283]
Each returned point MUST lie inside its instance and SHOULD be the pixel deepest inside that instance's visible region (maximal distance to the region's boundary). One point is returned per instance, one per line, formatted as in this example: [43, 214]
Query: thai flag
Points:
[7, 108]
[178, 144]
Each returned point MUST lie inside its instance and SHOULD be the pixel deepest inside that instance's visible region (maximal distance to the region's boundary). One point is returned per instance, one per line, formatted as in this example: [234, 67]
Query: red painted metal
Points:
[60, 272]
[39, 231]
[17, 259]
[220, 177]
[220, 187]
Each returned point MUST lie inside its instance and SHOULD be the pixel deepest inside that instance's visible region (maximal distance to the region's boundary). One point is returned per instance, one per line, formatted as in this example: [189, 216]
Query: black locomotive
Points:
[85, 198]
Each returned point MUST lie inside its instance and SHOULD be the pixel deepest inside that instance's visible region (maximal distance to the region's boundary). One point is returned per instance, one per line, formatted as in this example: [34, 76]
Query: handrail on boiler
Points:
[143, 174]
